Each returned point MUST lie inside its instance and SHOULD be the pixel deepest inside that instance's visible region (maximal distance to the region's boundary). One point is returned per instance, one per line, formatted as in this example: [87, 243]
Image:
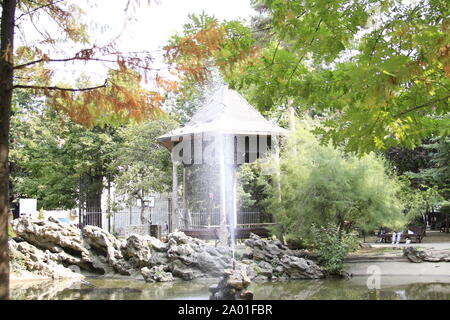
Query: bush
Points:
[321, 184]
[332, 248]
[41, 214]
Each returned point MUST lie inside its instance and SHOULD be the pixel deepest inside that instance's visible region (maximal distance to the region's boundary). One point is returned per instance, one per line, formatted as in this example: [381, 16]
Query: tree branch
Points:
[22, 86]
[421, 106]
[38, 8]
[21, 66]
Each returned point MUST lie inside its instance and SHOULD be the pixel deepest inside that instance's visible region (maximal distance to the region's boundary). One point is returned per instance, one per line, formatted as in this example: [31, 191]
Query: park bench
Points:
[385, 234]
[418, 234]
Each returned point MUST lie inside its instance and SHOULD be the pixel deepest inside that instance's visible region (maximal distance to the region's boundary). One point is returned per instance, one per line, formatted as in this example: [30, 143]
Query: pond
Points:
[392, 288]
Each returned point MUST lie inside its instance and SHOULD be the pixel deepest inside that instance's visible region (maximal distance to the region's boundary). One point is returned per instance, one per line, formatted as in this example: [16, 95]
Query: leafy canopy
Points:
[322, 185]
[378, 69]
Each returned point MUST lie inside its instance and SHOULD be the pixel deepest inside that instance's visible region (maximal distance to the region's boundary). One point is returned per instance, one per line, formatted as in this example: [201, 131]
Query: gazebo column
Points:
[175, 214]
[187, 221]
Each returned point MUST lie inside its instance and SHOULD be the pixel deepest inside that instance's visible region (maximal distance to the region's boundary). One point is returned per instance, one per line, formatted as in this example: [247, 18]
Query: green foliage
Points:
[437, 173]
[49, 153]
[418, 201]
[331, 247]
[11, 233]
[377, 69]
[321, 185]
[251, 190]
[143, 166]
[245, 177]
[41, 214]
[382, 65]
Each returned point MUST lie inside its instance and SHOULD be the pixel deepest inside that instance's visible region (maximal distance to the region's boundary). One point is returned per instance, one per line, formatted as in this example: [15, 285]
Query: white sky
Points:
[155, 23]
[149, 28]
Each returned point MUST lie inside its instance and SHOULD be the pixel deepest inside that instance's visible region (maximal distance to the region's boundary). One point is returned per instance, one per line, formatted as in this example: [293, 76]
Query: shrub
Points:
[321, 184]
[41, 214]
[332, 248]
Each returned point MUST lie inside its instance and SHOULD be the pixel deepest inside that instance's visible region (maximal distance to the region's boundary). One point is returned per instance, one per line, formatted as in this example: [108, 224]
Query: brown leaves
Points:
[191, 51]
[122, 101]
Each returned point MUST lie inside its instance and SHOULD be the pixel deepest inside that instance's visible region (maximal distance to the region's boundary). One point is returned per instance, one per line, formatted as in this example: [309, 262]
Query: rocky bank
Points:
[52, 249]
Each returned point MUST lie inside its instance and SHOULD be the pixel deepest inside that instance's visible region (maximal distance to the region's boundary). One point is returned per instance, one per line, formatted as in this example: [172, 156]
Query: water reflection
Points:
[392, 288]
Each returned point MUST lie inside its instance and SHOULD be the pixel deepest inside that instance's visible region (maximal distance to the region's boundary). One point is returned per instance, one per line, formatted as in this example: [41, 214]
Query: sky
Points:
[148, 28]
[153, 24]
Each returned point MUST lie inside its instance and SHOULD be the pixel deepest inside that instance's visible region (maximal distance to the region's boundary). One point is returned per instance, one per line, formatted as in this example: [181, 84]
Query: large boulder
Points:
[62, 239]
[273, 260]
[418, 256]
[192, 258]
[106, 251]
[156, 274]
[232, 286]
[26, 257]
[180, 270]
[50, 235]
[137, 250]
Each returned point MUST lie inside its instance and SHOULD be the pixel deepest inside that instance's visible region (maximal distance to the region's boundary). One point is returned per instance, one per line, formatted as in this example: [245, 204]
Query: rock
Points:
[95, 250]
[418, 256]
[265, 269]
[157, 244]
[180, 270]
[137, 250]
[103, 244]
[182, 251]
[158, 258]
[231, 286]
[62, 239]
[246, 295]
[299, 268]
[50, 234]
[156, 274]
[274, 257]
[209, 264]
[39, 262]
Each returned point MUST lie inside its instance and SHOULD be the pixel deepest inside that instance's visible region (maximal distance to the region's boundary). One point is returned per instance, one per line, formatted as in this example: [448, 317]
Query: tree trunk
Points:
[6, 87]
[93, 196]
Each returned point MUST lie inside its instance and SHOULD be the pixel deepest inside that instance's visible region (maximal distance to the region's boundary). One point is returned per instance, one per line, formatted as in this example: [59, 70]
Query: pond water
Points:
[392, 288]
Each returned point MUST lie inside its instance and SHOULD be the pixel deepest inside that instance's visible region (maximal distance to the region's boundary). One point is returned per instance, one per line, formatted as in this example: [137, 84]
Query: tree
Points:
[321, 185]
[378, 70]
[58, 161]
[28, 67]
[142, 165]
[437, 173]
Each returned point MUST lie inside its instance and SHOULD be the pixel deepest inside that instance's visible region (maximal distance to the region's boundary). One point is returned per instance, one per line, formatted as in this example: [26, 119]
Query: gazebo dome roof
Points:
[226, 112]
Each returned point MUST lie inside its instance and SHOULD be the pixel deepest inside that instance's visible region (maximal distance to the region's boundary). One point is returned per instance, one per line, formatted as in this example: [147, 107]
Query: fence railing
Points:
[91, 216]
[119, 220]
[135, 216]
[212, 218]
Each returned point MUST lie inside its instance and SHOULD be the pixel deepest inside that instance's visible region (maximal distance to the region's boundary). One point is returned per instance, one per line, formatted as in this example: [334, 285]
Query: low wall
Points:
[142, 229]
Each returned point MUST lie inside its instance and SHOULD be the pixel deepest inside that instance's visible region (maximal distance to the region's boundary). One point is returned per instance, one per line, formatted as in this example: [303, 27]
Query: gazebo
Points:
[226, 127]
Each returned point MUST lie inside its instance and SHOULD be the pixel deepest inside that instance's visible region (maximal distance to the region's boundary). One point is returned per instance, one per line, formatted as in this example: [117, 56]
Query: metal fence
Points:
[134, 216]
[248, 216]
[91, 216]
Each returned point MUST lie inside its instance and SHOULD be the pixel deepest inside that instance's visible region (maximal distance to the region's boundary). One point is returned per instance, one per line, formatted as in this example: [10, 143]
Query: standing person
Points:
[396, 236]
